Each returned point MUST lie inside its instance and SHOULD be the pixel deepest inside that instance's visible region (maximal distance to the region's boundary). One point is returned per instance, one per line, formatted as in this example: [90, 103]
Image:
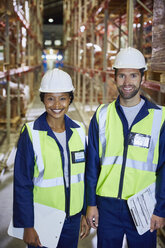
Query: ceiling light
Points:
[48, 42]
[50, 20]
[57, 42]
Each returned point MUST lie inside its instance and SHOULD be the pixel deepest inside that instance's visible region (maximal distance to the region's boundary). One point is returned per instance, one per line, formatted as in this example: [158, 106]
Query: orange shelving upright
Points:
[20, 58]
[94, 32]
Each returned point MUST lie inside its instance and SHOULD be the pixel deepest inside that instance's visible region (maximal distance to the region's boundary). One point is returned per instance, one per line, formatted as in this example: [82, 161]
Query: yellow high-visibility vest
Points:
[48, 179]
[139, 156]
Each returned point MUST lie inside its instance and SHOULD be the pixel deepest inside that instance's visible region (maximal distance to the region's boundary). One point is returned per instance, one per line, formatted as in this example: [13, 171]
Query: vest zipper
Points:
[68, 190]
[67, 201]
[123, 168]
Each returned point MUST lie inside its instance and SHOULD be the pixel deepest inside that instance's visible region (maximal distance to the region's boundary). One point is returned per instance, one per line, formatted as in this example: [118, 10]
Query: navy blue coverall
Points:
[114, 216]
[23, 212]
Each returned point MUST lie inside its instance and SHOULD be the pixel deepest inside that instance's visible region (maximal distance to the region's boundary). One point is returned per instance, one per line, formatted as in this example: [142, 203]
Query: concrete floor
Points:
[6, 183]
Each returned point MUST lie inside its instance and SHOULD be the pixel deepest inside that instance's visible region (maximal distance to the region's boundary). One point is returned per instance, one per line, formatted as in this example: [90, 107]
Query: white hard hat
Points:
[56, 81]
[130, 58]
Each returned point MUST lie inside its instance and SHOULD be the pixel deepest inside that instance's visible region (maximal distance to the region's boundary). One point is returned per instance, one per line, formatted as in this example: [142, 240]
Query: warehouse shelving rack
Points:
[21, 25]
[111, 25]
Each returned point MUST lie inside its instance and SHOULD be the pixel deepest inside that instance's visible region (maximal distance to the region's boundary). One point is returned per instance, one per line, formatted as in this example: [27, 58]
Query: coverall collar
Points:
[148, 104]
[41, 124]
[144, 111]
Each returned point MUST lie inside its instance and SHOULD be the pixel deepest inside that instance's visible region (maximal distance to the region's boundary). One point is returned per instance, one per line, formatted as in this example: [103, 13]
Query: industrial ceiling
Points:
[53, 9]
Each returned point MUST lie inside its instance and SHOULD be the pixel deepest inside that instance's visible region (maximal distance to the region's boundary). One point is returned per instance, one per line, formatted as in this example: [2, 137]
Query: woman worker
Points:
[50, 164]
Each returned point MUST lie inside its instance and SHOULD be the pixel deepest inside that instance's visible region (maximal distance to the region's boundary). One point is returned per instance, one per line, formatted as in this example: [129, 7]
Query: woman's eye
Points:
[121, 75]
[134, 75]
[50, 99]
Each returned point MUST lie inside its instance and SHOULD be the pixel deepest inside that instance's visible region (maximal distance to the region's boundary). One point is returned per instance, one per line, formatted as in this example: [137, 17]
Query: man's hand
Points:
[92, 216]
[156, 222]
[31, 237]
[84, 228]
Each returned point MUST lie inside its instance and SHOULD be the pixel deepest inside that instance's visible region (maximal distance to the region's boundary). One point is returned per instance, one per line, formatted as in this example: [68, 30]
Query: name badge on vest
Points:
[138, 139]
[78, 156]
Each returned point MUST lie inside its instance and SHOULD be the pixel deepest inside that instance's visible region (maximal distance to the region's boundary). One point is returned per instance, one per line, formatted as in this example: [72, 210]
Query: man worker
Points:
[126, 153]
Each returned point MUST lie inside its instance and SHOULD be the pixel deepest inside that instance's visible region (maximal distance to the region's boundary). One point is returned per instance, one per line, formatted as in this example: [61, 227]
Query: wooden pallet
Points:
[158, 76]
[14, 122]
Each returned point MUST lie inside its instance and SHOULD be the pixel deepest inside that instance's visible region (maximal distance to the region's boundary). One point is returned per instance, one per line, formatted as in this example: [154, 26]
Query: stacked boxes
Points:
[158, 36]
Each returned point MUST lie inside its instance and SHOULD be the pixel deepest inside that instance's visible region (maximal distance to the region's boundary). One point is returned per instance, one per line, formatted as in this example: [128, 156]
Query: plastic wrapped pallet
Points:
[158, 37]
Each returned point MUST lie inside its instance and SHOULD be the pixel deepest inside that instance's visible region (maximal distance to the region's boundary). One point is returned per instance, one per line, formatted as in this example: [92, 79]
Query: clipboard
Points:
[141, 206]
[48, 223]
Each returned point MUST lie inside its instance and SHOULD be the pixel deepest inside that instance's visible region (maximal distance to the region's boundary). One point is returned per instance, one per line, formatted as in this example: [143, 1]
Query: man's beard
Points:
[128, 95]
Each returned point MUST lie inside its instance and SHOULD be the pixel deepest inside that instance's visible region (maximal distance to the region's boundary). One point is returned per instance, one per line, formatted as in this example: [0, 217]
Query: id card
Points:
[78, 156]
[138, 139]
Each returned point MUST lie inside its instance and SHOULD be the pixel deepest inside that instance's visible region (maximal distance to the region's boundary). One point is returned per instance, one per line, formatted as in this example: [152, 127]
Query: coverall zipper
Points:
[67, 191]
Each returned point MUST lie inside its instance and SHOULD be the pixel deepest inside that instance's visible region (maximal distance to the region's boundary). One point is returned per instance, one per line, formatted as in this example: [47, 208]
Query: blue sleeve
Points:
[23, 213]
[93, 162]
[85, 202]
[160, 180]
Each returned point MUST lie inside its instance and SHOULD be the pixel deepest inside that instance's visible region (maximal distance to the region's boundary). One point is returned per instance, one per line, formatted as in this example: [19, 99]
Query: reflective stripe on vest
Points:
[45, 183]
[81, 133]
[102, 125]
[39, 181]
[129, 162]
[38, 155]
[154, 133]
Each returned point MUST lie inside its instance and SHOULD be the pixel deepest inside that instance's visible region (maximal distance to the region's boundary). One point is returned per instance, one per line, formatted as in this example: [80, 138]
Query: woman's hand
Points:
[31, 237]
[84, 228]
[92, 216]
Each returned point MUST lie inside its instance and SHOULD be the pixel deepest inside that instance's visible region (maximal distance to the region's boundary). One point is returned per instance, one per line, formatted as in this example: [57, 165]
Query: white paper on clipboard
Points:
[48, 223]
[141, 206]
